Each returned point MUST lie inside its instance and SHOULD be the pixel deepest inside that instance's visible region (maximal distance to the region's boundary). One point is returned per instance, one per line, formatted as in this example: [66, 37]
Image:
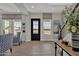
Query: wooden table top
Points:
[67, 49]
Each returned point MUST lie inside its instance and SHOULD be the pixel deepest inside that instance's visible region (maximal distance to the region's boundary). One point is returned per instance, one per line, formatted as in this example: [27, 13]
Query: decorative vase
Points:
[75, 41]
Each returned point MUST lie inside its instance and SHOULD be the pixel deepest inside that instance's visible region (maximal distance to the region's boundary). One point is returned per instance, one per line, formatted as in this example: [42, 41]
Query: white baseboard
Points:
[48, 39]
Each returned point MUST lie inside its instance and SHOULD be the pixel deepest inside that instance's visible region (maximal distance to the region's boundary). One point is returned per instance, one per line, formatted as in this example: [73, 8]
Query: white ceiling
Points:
[8, 7]
[37, 7]
[46, 7]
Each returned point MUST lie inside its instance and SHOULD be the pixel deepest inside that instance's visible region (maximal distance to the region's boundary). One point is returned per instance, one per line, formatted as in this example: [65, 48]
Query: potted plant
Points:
[73, 27]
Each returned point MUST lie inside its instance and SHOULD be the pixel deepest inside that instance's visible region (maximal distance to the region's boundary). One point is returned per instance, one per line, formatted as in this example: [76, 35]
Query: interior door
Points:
[35, 29]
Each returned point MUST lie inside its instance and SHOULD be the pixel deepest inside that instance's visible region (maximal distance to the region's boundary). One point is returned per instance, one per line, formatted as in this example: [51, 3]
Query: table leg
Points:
[55, 49]
[11, 50]
[62, 52]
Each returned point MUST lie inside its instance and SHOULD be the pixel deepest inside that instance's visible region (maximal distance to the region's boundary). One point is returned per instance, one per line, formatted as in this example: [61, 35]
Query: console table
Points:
[66, 49]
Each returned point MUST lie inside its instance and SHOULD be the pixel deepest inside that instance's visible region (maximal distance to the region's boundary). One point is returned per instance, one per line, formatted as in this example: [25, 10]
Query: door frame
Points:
[37, 19]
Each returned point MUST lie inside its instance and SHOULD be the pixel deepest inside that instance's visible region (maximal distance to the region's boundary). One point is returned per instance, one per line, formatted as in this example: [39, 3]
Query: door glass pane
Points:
[35, 27]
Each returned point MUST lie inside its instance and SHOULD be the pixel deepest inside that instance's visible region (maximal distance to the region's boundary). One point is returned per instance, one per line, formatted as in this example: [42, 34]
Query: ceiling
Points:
[45, 7]
[33, 7]
[8, 7]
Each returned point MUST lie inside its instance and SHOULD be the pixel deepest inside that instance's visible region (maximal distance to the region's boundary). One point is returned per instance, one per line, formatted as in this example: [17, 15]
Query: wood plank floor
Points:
[34, 48]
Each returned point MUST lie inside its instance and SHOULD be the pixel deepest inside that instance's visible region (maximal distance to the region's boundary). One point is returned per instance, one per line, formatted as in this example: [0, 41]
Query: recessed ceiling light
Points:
[18, 10]
[32, 7]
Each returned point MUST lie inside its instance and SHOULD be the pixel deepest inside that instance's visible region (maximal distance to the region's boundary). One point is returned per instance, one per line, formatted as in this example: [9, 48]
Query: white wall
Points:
[27, 20]
[39, 15]
[27, 35]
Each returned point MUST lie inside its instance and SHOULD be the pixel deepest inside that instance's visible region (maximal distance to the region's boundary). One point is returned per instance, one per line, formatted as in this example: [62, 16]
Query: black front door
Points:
[35, 29]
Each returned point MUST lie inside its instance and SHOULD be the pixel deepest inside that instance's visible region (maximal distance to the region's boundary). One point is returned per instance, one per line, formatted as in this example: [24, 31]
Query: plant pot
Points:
[75, 49]
[75, 41]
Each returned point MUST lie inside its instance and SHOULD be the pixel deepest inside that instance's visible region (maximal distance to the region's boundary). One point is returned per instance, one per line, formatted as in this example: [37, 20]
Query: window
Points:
[6, 23]
[47, 27]
[17, 27]
[6, 26]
